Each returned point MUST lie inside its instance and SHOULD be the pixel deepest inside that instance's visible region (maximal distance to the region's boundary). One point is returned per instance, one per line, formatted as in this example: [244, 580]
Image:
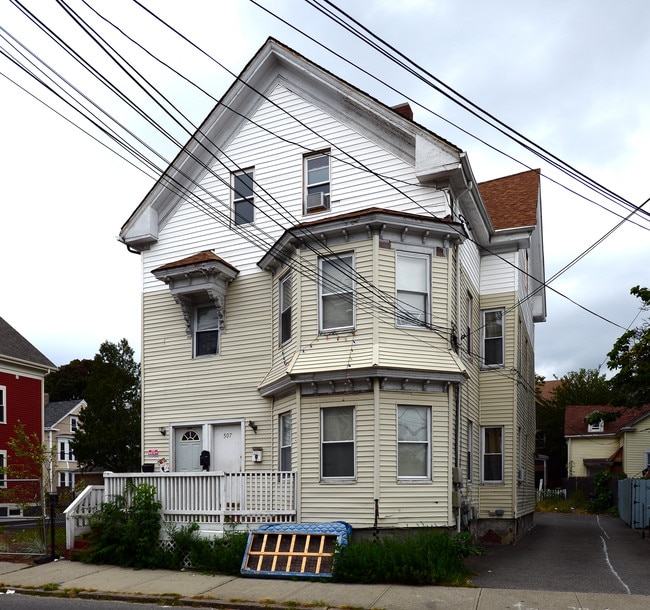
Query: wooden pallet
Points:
[295, 553]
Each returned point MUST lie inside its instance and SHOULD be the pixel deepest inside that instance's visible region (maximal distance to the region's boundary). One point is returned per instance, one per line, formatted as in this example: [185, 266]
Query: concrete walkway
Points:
[193, 588]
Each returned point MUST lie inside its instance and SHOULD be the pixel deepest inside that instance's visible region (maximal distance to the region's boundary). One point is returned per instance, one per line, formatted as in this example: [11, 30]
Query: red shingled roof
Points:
[201, 257]
[575, 424]
[547, 389]
[511, 201]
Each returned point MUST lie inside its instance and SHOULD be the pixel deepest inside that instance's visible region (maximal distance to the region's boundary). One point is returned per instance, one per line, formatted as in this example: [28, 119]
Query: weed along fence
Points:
[213, 500]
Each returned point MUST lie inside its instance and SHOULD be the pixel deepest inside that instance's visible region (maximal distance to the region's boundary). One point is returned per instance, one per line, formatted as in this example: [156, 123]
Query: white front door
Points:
[187, 449]
[227, 449]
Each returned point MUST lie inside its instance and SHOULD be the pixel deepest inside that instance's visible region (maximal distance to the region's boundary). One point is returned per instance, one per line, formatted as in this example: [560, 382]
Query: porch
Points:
[214, 500]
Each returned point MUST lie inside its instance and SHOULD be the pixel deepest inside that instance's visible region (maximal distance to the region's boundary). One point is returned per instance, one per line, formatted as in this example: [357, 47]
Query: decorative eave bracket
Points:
[202, 278]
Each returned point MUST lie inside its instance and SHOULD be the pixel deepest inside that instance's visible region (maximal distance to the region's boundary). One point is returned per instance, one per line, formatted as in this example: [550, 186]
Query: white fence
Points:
[550, 494]
[213, 500]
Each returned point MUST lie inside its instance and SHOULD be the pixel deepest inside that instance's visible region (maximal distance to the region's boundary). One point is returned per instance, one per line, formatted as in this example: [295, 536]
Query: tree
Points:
[28, 459]
[108, 433]
[69, 382]
[630, 356]
[583, 387]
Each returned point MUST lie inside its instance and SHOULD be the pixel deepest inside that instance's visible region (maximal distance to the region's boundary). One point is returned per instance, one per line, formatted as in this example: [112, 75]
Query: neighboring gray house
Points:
[61, 420]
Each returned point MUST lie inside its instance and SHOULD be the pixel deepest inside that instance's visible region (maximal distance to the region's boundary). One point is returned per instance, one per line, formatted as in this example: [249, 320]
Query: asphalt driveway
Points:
[569, 552]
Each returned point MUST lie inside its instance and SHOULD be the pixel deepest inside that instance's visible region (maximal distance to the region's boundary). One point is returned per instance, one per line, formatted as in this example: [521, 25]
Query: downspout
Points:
[376, 387]
[458, 386]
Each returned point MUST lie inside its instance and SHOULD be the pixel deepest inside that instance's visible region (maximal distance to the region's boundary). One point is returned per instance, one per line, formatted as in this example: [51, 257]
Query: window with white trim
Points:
[599, 426]
[493, 332]
[3, 464]
[336, 288]
[492, 454]
[317, 182]
[337, 443]
[285, 442]
[243, 198]
[3, 404]
[66, 479]
[412, 280]
[74, 423]
[285, 287]
[206, 331]
[413, 443]
[65, 451]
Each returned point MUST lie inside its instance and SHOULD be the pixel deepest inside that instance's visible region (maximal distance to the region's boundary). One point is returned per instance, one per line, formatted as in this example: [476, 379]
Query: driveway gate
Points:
[634, 502]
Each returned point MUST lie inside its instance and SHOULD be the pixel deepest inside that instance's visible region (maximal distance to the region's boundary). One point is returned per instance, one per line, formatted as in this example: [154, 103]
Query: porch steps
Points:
[299, 550]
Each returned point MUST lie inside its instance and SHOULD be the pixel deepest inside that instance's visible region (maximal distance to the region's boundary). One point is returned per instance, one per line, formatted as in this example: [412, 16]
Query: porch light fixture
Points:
[252, 424]
[162, 430]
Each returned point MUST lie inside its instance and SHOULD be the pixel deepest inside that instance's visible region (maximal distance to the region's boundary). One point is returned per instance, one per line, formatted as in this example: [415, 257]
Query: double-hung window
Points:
[468, 330]
[65, 451]
[492, 454]
[493, 332]
[285, 308]
[3, 464]
[74, 423]
[413, 294]
[317, 182]
[206, 331]
[285, 442]
[243, 197]
[413, 442]
[337, 443]
[3, 404]
[336, 287]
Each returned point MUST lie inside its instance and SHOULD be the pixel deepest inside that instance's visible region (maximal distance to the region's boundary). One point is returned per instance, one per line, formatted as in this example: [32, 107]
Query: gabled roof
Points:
[13, 346]
[512, 201]
[575, 424]
[273, 63]
[56, 411]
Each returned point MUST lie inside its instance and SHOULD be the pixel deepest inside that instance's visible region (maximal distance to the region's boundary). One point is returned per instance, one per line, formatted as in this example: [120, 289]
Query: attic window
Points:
[198, 281]
[599, 426]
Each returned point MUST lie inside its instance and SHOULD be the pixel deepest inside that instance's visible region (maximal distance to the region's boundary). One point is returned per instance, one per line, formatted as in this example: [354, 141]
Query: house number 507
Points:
[227, 434]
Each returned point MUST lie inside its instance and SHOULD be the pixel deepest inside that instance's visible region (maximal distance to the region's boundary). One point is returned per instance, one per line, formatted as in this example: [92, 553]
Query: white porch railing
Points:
[213, 500]
[78, 512]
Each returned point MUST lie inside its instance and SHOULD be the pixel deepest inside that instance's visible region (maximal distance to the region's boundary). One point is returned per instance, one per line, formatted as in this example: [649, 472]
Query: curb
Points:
[168, 600]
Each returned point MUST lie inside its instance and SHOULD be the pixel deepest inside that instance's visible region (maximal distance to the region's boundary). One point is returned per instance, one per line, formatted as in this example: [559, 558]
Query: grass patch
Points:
[426, 557]
[577, 503]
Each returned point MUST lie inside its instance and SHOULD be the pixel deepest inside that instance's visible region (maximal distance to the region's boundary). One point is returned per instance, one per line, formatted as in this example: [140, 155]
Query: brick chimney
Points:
[405, 110]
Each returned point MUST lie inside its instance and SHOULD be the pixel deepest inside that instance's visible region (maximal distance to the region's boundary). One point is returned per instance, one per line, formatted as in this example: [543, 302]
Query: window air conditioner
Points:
[317, 201]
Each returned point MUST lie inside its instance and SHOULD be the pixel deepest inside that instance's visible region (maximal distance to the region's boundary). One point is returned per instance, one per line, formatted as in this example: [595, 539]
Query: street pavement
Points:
[567, 562]
[192, 589]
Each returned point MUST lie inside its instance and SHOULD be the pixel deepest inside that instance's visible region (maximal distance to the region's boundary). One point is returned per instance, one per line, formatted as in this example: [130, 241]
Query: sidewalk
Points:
[193, 588]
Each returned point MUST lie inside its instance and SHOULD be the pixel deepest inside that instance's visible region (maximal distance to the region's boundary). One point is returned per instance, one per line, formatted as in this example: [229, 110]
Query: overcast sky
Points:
[572, 77]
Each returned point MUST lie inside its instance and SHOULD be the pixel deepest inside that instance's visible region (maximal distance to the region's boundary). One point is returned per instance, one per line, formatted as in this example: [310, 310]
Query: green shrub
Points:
[126, 530]
[211, 555]
[603, 501]
[428, 557]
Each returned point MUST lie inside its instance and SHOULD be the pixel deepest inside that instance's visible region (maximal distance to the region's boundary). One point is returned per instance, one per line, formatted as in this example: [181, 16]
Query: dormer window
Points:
[317, 183]
[599, 426]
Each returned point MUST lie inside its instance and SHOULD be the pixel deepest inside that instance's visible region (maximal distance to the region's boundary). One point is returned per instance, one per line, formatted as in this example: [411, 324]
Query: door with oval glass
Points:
[187, 449]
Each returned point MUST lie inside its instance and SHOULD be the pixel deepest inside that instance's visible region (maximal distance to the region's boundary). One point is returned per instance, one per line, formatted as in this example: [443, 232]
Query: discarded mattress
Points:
[294, 549]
